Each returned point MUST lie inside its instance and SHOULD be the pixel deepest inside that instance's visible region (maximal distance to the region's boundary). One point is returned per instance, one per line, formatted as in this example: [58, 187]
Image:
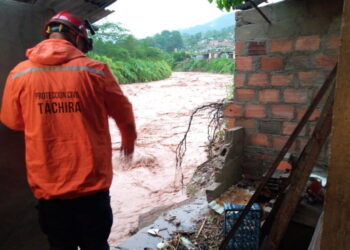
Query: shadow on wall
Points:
[20, 26]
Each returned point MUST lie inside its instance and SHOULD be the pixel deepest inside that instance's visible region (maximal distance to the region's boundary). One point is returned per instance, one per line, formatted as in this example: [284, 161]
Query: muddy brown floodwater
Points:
[162, 111]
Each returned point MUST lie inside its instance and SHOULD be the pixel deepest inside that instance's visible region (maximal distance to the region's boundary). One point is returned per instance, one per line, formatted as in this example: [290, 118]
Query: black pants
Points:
[85, 222]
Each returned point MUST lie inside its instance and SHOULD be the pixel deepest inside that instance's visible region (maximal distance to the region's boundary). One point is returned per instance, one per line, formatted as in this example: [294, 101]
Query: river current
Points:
[162, 111]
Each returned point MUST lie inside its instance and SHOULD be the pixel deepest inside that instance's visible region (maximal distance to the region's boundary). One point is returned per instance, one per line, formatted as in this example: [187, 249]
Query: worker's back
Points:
[63, 98]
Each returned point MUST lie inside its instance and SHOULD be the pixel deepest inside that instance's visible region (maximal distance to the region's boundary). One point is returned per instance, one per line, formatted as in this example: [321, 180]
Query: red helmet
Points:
[74, 24]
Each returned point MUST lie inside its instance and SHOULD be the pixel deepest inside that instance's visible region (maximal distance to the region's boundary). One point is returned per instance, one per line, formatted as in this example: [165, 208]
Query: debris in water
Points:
[215, 124]
[164, 245]
[157, 106]
[186, 243]
[216, 207]
[154, 232]
[201, 228]
[170, 218]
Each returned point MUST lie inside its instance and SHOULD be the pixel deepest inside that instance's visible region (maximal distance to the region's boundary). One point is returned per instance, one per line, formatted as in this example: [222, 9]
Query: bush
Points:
[136, 70]
[217, 65]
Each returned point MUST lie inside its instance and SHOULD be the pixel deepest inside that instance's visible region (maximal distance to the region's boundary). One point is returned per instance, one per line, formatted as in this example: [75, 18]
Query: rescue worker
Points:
[61, 99]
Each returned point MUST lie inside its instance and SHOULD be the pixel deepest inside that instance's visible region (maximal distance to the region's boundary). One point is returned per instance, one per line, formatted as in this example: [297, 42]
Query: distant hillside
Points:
[217, 24]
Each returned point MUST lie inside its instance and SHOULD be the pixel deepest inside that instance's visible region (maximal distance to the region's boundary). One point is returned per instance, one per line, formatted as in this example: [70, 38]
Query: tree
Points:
[227, 4]
[110, 32]
[168, 40]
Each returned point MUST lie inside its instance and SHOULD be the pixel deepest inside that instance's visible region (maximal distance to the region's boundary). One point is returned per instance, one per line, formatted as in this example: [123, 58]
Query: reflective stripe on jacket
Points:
[62, 100]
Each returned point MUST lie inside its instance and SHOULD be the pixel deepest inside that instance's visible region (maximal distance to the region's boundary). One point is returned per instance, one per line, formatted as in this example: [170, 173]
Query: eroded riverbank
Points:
[162, 110]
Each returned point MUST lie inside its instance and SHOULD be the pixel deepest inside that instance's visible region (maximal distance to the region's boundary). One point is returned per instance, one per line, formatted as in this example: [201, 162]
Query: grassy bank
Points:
[136, 70]
[217, 65]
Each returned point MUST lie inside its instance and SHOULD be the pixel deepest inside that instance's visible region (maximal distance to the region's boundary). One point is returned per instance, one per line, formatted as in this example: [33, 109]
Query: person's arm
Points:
[120, 109]
[11, 112]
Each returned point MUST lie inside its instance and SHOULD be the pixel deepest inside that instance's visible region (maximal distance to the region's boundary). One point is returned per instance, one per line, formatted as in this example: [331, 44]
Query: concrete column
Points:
[20, 28]
[336, 225]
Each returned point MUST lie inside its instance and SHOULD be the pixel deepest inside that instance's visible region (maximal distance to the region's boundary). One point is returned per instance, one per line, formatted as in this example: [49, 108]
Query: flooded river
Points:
[162, 111]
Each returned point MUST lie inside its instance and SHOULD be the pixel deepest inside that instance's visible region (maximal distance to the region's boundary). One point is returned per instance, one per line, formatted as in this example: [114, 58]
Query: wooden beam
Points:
[321, 92]
[300, 176]
[336, 227]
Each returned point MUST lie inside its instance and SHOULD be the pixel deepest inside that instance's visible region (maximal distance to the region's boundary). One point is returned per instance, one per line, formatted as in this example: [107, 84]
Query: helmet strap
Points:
[71, 36]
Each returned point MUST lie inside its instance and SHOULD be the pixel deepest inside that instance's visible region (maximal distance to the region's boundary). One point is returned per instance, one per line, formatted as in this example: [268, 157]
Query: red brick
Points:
[239, 80]
[308, 43]
[309, 78]
[239, 48]
[295, 95]
[258, 79]
[281, 45]
[255, 111]
[283, 111]
[269, 95]
[326, 61]
[248, 124]
[232, 110]
[288, 128]
[271, 63]
[244, 63]
[281, 79]
[256, 48]
[333, 42]
[244, 95]
[260, 140]
[314, 116]
[270, 126]
[230, 122]
[278, 142]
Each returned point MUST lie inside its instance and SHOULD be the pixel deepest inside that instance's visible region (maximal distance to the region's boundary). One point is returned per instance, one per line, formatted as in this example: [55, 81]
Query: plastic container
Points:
[248, 233]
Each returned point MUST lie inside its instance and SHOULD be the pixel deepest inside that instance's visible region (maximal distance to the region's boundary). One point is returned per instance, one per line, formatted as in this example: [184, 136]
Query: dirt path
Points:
[162, 111]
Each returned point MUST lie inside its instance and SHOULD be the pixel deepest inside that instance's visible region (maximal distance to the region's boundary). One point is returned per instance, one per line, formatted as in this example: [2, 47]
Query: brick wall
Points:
[279, 68]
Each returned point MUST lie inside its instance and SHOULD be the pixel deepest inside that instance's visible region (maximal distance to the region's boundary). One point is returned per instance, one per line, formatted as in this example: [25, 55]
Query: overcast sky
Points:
[148, 17]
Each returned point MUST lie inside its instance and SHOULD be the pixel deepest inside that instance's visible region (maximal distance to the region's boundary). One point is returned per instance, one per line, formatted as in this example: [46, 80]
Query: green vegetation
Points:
[202, 40]
[230, 89]
[129, 59]
[154, 58]
[168, 41]
[227, 4]
[136, 70]
[184, 48]
[217, 65]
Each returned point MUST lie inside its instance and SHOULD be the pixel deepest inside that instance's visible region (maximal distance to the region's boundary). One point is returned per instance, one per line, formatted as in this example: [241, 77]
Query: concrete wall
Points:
[279, 68]
[20, 28]
[228, 164]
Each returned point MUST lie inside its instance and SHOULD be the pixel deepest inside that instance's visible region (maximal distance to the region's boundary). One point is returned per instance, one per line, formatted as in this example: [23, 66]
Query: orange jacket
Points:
[62, 100]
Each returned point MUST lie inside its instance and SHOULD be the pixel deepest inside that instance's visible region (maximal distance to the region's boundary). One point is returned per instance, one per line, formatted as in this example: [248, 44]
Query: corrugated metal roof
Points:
[93, 10]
